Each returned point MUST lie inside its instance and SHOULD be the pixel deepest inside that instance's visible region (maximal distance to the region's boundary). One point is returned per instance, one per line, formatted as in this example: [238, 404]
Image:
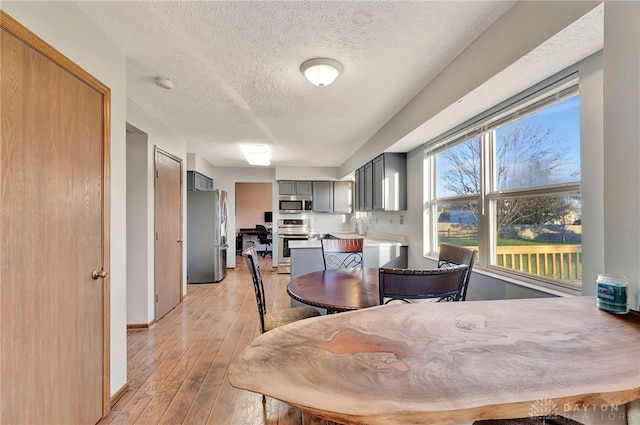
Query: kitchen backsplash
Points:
[387, 222]
[379, 222]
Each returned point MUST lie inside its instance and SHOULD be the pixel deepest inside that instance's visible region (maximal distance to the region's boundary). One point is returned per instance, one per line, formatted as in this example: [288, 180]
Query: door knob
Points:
[95, 274]
[179, 240]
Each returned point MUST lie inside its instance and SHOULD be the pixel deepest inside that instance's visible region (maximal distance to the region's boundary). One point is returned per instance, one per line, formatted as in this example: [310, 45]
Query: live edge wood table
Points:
[448, 362]
[337, 290]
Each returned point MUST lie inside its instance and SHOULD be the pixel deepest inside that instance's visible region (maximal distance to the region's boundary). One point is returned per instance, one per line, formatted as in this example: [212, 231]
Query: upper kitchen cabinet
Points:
[332, 196]
[382, 183]
[322, 197]
[358, 190]
[390, 182]
[197, 181]
[343, 197]
[368, 186]
[291, 187]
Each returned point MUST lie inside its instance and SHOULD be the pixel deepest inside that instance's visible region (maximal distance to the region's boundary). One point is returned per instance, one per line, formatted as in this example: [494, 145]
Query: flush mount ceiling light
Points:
[256, 154]
[165, 83]
[321, 71]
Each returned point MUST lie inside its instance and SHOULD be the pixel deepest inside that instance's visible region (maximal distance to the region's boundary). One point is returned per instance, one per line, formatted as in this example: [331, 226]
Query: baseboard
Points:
[140, 326]
[119, 394]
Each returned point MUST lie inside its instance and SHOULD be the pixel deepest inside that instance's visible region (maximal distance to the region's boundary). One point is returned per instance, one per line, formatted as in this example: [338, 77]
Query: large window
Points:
[509, 186]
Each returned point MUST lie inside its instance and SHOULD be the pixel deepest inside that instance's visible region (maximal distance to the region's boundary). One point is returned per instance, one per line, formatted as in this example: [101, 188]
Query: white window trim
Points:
[536, 98]
[524, 281]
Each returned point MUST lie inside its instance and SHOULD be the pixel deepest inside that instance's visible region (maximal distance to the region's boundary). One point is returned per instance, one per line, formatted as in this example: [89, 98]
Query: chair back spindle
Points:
[342, 253]
[452, 254]
[256, 275]
[272, 319]
[442, 284]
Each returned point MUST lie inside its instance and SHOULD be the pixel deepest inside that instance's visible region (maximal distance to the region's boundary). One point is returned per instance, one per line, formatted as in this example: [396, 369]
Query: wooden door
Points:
[168, 241]
[54, 230]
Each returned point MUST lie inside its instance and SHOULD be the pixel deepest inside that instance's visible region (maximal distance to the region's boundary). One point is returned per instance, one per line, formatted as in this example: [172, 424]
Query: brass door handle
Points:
[179, 240]
[95, 274]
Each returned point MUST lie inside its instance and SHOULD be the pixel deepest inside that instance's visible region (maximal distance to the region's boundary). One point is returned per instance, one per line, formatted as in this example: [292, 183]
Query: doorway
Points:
[254, 204]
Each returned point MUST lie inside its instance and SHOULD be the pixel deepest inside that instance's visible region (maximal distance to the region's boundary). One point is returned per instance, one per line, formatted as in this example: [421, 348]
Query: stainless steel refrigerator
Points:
[206, 236]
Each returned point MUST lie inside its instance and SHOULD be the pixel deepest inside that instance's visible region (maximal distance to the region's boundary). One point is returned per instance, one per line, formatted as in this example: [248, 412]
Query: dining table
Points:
[447, 363]
[337, 290]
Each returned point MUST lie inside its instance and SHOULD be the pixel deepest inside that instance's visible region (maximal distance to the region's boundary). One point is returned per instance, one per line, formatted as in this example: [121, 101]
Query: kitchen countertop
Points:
[370, 239]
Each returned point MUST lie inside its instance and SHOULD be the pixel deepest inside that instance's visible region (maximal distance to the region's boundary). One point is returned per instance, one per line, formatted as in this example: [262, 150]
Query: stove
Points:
[290, 229]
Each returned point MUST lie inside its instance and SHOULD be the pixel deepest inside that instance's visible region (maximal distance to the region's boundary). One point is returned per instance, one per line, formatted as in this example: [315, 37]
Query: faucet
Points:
[354, 223]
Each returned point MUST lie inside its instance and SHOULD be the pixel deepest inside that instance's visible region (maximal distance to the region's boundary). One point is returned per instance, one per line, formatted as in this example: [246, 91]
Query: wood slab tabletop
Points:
[448, 362]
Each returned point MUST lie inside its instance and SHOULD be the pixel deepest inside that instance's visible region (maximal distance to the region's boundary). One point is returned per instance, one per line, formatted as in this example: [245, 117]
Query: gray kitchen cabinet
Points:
[343, 197]
[197, 181]
[306, 260]
[378, 181]
[368, 186]
[286, 187]
[293, 187]
[303, 188]
[390, 182]
[381, 184]
[323, 197]
[356, 190]
[332, 196]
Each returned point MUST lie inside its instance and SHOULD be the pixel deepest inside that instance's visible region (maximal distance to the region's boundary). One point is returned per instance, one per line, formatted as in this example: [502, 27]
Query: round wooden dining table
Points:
[337, 290]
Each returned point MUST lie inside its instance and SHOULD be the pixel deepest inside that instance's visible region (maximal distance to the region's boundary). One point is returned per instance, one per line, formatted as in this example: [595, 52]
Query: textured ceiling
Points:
[577, 41]
[236, 64]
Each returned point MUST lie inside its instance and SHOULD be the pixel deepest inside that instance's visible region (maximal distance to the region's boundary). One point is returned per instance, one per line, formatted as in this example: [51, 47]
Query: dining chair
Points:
[438, 284]
[263, 238]
[452, 254]
[273, 319]
[342, 253]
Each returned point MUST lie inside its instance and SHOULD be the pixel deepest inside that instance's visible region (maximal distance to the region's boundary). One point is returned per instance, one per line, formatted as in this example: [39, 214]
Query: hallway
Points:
[177, 368]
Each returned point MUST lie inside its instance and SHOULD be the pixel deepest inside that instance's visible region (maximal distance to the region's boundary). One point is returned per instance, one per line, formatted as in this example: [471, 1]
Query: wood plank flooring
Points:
[177, 369]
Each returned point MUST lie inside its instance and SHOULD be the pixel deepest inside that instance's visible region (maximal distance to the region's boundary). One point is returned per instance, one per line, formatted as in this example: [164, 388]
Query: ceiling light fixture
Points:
[165, 83]
[321, 71]
[256, 154]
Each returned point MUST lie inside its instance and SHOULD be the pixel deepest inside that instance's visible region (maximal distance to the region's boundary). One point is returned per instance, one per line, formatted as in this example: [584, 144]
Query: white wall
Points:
[488, 286]
[161, 137]
[308, 173]
[494, 51]
[60, 24]
[622, 148]
[139, 244]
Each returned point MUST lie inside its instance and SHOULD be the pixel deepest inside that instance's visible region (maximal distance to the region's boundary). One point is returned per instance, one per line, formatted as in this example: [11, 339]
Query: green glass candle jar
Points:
[612, 293]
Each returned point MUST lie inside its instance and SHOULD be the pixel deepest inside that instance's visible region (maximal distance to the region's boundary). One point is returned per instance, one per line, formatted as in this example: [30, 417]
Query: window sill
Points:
[565, 292]
[529, 284]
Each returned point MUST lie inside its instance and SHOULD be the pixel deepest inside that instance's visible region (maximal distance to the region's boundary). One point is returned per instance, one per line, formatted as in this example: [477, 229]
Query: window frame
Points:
[484, 126]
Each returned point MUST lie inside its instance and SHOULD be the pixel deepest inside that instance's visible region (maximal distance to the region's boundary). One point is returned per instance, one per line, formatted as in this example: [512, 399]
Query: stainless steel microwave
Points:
[294, 204]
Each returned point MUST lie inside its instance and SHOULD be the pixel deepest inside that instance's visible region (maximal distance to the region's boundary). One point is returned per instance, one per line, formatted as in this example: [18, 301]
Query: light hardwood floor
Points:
[177, 370]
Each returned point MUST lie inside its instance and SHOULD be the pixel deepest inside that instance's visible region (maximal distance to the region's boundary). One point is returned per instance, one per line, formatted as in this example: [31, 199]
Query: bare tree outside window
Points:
[527, 154]
[533, 191]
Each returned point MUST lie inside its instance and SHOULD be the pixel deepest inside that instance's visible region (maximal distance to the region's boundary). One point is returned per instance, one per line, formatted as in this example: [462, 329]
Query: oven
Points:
[290, 230]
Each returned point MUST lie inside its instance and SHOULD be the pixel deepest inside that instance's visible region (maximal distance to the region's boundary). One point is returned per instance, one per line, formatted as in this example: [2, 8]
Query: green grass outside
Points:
[533, 265]
[462, 241]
